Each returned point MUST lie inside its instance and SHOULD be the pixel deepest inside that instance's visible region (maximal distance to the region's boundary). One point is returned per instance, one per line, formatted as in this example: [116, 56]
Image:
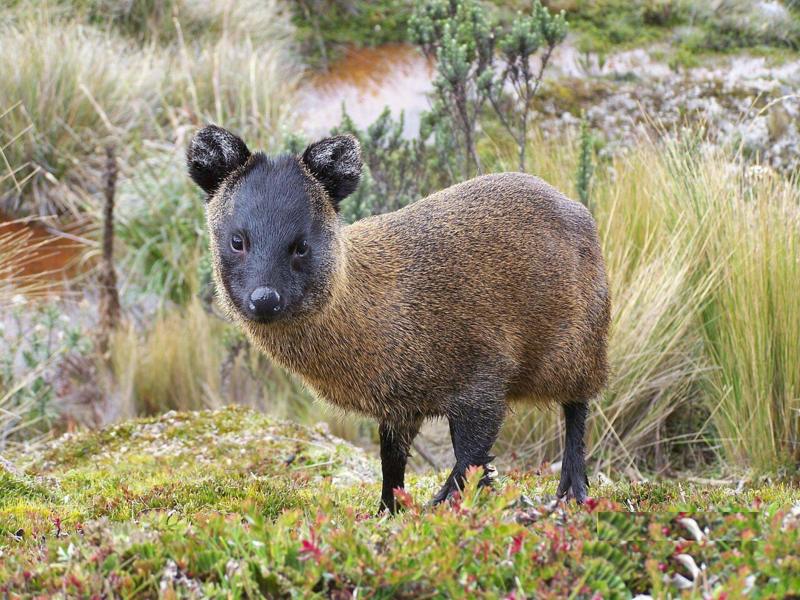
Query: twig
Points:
[425, 455]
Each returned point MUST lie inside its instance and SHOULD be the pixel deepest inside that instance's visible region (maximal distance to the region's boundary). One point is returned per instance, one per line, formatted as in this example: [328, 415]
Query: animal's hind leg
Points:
[474, 425]
[573, 481]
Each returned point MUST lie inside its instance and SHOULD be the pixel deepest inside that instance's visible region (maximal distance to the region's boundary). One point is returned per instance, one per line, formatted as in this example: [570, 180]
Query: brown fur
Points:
[500, 275]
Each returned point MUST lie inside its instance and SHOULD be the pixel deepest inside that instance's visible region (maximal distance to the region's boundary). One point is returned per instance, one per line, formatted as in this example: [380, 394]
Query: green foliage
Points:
[263, 507]
[459, 35]
[604, 24]
[397, 171]
[463, 39]
[583, 179]
[518, 45]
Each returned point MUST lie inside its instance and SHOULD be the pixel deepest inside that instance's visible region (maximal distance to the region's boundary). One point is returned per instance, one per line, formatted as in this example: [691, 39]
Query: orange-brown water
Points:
[36, 252]
[366, 80]
[369, 68]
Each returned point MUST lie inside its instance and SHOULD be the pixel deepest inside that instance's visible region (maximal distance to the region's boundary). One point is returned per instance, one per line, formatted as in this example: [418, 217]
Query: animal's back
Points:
[501, 272]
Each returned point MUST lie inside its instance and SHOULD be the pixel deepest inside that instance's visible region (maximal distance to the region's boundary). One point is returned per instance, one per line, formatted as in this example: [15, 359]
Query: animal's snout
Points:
[265, 302]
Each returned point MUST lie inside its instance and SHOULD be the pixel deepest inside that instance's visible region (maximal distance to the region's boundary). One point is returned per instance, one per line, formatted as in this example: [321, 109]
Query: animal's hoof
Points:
[568, 489]
[389, 507]
[440, 497]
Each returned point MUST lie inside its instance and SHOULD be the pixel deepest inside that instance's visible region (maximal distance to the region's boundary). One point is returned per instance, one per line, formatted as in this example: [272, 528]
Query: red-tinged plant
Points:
[590, 504]
[403, 498]
[516, 543]
[309, 548]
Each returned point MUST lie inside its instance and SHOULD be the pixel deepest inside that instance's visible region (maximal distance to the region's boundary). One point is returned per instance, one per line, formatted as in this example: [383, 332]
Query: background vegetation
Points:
[701, 236]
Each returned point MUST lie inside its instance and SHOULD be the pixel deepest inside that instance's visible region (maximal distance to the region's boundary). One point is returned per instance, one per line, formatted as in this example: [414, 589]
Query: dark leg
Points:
[395, 442]
[473, 431]
[574, 482]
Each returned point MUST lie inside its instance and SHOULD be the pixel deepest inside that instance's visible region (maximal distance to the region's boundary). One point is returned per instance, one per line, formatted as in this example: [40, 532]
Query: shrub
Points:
[459, 36]
[397, 171]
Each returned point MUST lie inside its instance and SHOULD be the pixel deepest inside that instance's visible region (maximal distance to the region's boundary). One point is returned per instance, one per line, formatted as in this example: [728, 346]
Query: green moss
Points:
[16, 488]
[234, 504]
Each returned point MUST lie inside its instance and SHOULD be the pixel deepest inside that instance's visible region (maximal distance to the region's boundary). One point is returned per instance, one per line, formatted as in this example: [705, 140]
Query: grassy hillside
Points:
[232, 504]
[700, 227]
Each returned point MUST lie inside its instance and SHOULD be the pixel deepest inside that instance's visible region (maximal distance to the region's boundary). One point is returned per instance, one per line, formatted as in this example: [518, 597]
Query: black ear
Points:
[213, 154]
[336, 163]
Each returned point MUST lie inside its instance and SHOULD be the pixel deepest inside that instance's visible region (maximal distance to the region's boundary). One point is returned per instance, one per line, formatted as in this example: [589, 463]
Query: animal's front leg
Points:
[474, 427]
[395, 442]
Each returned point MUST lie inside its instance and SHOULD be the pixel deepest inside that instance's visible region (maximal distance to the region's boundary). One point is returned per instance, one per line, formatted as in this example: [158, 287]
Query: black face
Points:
[273, 244]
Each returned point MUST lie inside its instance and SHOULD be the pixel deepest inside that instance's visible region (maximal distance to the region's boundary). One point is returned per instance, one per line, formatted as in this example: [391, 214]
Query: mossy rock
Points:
[182, 462]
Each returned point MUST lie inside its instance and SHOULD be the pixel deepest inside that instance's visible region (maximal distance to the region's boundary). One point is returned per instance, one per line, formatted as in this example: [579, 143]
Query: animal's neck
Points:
[307, 343]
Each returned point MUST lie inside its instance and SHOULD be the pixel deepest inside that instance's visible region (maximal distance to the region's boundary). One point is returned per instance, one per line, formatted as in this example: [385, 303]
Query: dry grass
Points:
[78, 88]
[704, 259]
[88, 85]
[188, 359]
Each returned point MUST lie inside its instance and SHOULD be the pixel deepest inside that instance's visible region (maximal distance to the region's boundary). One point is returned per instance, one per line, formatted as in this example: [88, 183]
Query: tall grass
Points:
[79, 86]
[88, 84]
[752, 321]
[188, 359]
[159, 21]
[704, 261]
[161, 224]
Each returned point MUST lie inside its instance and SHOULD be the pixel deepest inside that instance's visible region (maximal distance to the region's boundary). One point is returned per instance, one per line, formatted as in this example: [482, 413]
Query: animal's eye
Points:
[237, 243]
[300, 248]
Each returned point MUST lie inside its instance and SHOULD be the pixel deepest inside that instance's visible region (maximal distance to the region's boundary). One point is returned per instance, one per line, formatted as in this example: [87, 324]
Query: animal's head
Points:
[273, 221]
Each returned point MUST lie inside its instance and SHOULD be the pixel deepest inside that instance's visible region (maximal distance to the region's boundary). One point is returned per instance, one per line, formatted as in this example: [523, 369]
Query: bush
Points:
[396, 171]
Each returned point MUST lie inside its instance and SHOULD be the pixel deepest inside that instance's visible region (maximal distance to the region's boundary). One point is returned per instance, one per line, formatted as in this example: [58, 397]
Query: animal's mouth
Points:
[285, 314]
[266, 319]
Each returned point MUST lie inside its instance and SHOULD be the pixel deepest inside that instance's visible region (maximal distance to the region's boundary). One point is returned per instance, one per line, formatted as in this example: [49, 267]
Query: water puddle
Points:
[365, 81]
[40, 255]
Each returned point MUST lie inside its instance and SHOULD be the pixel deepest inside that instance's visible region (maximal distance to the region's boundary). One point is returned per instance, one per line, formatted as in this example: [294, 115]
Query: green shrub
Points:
[396, 172]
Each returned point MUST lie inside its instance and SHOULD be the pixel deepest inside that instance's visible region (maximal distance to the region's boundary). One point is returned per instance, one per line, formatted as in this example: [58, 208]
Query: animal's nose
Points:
[265, 302]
